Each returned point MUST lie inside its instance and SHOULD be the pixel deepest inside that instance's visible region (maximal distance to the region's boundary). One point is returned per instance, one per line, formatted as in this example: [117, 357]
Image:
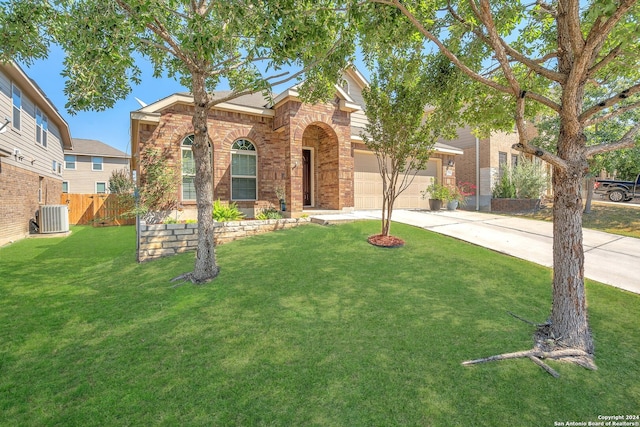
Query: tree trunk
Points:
[569, 323]
[205, 268]
[590, 182]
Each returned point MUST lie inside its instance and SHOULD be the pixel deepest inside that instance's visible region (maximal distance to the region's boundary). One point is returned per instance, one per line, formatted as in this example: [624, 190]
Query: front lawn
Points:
[304, 327]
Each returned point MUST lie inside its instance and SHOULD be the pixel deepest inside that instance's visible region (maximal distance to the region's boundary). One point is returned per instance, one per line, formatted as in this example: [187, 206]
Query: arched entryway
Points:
[320, 167]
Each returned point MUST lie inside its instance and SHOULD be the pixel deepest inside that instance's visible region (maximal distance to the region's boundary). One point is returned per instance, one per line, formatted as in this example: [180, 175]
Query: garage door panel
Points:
[368, 185]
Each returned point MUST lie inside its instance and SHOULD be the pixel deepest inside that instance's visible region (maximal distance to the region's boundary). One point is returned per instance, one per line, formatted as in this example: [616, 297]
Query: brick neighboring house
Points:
[31, 152]
[484, 169]
[313, 152]
[89, 164]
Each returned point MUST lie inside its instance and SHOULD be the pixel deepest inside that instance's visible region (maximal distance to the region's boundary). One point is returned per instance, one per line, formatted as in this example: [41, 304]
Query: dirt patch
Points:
[385, 241]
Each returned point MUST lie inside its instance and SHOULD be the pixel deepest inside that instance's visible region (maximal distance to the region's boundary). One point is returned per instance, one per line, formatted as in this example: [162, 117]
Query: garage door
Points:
[368, 184]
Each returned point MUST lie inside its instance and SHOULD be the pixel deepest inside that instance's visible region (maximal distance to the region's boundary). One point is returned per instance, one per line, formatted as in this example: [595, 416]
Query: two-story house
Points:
[33, 137]
[89, 164]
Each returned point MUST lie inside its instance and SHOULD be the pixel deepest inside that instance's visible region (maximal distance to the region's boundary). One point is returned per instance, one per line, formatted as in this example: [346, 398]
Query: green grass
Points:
[305, 327]
[622, 219]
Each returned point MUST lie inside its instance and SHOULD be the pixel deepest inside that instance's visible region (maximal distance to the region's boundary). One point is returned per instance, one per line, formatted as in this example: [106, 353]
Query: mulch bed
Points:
[385, 241]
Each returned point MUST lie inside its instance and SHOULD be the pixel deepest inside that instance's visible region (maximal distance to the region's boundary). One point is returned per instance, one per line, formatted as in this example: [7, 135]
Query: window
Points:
[502, 162]
[101, 187]
[244, 161]
[96, 163]
[42, 127]
[54, 166]
[69, 162]
[60, 168]
[17, 107]
[188, 170]
[514, 160]
[65, 186]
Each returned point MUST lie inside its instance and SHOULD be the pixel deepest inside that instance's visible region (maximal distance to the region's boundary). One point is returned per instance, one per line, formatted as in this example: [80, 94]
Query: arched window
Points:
[188, 169]
[244, 171]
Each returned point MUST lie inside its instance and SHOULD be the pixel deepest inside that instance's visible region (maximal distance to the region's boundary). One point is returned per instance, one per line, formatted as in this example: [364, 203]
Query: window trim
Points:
[245, 152]
[106, 189]
[16, 109]
[75, 161]
[185, 145]
[93, 163]
[42, 128]
[63, 185]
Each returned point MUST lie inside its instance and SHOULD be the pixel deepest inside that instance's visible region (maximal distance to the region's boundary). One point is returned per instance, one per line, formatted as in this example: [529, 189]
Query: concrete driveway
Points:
[609, 258]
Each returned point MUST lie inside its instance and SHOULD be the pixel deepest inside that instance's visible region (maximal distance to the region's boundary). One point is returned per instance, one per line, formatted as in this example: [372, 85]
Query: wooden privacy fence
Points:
[99, 210]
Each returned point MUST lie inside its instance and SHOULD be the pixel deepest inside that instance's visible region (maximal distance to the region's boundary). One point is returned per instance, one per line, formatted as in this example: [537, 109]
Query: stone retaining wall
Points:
[160, 240]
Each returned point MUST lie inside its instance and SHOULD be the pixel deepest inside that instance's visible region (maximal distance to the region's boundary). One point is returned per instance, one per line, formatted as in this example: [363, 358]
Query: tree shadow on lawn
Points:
[308, 326]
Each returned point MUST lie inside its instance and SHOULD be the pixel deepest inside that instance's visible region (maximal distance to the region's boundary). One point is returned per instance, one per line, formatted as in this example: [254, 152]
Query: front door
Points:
[306, 177]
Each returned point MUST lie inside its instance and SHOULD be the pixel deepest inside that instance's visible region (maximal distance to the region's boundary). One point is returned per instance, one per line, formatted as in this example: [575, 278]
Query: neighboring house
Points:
[32, 141]
[483, 161]
[313, 152]
[89, 164]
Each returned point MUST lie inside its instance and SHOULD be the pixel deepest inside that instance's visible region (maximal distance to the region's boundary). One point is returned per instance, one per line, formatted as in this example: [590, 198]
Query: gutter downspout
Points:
[477, 174]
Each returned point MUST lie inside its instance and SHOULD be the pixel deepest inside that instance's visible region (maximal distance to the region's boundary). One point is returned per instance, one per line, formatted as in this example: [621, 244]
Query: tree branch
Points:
[455, 60]
[612, 114]
[606, 60]
[547, 156]
[626, 141]
[590, 112]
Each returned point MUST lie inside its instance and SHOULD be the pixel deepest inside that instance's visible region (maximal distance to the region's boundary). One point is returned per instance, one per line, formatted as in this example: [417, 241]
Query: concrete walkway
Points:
[609, 258]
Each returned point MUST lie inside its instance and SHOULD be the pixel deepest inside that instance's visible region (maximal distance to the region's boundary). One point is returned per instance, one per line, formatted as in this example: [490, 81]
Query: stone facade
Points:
[160, 240]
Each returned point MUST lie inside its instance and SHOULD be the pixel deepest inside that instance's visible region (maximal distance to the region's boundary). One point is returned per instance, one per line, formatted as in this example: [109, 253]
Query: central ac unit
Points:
[54, 219]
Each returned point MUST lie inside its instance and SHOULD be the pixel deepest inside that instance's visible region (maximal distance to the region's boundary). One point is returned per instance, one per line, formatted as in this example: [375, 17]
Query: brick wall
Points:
[160, 240]
[515, 205]
[19, 199]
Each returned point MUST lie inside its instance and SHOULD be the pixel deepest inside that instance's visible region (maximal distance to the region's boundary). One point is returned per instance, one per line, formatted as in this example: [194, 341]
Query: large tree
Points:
[398, 132]
[533, 55]
[253, 45]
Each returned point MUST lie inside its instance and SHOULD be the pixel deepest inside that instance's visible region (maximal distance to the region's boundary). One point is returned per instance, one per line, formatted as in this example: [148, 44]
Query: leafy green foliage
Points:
[226, 211]
[120, 181]
[526, 180]
[504, 188]
[397, 131]
[158, 186]
[269, 213]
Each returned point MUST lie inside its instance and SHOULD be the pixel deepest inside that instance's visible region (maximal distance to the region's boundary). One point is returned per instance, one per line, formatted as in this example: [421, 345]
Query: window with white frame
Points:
[42, 127]
[54, 166]
[17, 107]
[69, 162]
[244, 171]
[101, 187]
[188, 169]
[65, 186]
[96, 163]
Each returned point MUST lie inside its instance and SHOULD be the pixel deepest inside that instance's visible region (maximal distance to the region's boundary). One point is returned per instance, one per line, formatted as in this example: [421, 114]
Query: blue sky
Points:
[109, 126]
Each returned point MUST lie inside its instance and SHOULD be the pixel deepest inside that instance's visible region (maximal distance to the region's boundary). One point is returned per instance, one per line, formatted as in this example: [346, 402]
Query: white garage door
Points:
[368, 184]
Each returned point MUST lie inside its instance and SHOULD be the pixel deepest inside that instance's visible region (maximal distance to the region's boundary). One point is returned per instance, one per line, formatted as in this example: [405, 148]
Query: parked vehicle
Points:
[618, 191]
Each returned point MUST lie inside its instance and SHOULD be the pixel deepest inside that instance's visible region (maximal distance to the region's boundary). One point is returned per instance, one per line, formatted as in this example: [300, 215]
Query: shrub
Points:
[438, 192]
[504, 188]
[527, 180]
[226, 212]
[269, 213]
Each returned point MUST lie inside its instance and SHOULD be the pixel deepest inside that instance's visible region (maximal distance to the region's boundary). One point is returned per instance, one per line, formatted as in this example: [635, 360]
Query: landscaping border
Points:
[160, 240]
